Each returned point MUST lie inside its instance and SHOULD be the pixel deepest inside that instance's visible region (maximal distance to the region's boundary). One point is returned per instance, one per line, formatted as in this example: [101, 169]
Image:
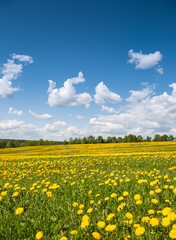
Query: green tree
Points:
[109, 139]
[148, 139]
[2, 143]
[84, 140]
[100, 139]
[65, 142]
[139, 138]
[91, 139]
[10, 144]
[164, 138]
[125, 138]
[171, 138]
[16, 143]
[157, 138]
[119, 139]
[41, 142]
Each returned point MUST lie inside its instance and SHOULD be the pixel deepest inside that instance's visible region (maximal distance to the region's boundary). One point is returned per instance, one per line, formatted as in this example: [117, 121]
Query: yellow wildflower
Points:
[39, 235]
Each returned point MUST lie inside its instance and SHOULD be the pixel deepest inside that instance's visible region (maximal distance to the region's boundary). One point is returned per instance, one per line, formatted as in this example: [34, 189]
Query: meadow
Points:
[99, 191]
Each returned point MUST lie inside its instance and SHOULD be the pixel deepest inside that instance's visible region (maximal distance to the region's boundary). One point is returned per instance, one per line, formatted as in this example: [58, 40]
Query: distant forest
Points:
[11, 143]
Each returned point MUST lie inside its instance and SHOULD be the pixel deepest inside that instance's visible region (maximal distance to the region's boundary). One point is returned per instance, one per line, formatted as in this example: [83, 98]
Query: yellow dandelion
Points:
[139, 231]
[110, 228]
[19, 210]
[39, 235]
[96, 235]
[137, 197]
[101, 224]
[73, 232]
[154, 222]
[172, 234]
[125, 193]
[129, 215]
[113, 195]
[155, 201]
[165, 222]
[79, 211]
[166, 211]
[75, 204]
[89, 210]
[151, 211]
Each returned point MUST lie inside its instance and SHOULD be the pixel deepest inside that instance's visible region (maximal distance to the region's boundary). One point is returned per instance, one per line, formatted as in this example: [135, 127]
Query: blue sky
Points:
[119, 56]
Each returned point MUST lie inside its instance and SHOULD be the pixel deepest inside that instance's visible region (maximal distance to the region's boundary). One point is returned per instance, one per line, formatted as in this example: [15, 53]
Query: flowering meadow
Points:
[98, 191]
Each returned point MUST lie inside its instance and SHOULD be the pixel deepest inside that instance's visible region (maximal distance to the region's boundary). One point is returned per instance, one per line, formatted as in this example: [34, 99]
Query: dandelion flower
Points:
[137, 197]
[19, 211]
[73, 232]
[129, 215]
[75, 204]
[96, 235]
[154, 222]
[110, 228]
[172, 234]
[39, 235]
[166, 211]
[165, 222]
[139, 231]
[101, 224]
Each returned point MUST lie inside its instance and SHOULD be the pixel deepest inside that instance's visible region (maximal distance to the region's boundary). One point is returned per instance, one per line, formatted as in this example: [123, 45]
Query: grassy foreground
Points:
[107, 191]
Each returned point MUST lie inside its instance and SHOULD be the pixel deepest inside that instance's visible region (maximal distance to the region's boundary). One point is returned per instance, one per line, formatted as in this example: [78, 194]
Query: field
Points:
[107, 191]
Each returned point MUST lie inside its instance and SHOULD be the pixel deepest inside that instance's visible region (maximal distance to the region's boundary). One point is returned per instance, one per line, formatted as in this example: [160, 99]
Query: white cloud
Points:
[144, 114]
[160, 70]
[53, 126]
[52, 85]
[10, 71]
[15, 112]
[40, 116]
[13, 129]
[66, 95]
[72, 130]
[108, 109]
[102, 94]
[79, 117]
[10, 124]
[106, 127]
[22, 58]
[145, 61]
[140, 95]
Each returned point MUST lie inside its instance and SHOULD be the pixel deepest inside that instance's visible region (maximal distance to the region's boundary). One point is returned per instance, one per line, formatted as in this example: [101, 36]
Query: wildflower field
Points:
[100, 191]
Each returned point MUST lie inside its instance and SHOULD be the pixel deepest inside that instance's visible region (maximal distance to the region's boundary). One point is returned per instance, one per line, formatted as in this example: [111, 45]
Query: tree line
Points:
[11, 143]
[6, 143]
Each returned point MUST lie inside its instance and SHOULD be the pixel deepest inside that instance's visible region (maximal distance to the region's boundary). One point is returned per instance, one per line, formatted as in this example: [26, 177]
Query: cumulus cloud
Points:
[102, 94]
[106, 127]
[141, 94]
[20, 130]
[66, 95]
[73, 130]
[15, 112]
[52, 127]
[40, 116]
[108, 109]
[144, 113]
[145, 61]
[10, 124]
[10, 71]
